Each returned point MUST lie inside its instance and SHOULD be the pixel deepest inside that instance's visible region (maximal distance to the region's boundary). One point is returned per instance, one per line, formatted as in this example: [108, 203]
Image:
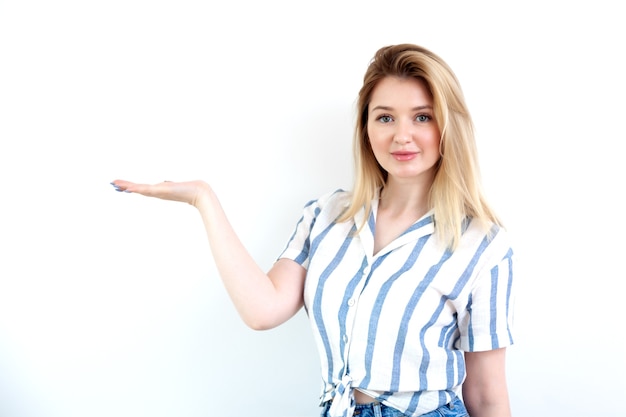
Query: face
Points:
[402, 129]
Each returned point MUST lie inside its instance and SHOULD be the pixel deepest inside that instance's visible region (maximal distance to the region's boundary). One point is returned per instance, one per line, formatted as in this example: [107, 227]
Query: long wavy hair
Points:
[456, 192]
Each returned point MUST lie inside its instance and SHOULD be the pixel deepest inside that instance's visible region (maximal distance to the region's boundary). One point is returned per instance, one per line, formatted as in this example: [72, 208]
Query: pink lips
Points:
[404, 156]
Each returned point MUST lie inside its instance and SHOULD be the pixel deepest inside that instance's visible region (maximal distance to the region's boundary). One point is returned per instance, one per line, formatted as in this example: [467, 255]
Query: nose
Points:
[403, 133]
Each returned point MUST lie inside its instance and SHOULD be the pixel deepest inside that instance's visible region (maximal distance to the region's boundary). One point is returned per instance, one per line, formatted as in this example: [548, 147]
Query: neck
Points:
[405, 198]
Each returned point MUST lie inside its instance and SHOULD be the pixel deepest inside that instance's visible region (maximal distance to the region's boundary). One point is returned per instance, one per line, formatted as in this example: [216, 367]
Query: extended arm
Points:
[485, 391]
[262, 300]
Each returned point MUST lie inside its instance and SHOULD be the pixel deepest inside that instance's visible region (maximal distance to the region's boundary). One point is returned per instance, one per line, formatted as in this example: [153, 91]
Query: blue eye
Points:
[385, 119]
[423, 118]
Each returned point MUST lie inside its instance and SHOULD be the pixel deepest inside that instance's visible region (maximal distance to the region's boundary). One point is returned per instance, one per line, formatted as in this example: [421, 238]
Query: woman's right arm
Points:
[263, 300]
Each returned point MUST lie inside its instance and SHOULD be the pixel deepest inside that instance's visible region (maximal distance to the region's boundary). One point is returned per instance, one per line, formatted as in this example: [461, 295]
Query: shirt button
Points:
[351, 302]
[345, 338]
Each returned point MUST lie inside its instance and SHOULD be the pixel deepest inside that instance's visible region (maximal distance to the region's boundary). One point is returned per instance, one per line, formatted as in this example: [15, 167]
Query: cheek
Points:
[377, 145]
[376, 134]
[435, 139]
[372, 137]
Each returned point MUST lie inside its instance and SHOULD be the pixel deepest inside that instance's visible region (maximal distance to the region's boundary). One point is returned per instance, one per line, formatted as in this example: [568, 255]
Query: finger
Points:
[131, 187]
[162, 190]
[121, 186]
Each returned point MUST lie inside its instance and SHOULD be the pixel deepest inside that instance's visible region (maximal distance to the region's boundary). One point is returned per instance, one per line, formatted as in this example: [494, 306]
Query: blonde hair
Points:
[456, 192]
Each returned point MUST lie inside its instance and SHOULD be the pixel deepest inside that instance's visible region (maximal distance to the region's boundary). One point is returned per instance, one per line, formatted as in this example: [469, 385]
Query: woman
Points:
[407, 279]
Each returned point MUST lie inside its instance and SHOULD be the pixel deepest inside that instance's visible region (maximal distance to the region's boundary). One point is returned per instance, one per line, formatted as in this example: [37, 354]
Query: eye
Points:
[385, 118]
[423, 118]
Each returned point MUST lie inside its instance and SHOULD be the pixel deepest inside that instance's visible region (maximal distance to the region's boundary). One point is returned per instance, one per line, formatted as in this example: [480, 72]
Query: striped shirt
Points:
[395, 324]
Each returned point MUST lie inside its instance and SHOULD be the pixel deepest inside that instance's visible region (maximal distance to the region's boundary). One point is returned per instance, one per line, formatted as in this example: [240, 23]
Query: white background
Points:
[110, 304]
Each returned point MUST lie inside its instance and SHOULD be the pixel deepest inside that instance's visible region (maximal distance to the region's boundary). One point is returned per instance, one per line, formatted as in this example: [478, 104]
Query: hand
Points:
[190, 192]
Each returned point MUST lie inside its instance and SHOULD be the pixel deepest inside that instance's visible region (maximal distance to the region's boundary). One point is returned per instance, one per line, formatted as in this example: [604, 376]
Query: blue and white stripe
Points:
[395, 324]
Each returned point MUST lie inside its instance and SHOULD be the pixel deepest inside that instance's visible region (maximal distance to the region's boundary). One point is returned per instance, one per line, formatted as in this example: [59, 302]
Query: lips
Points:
[403, 155]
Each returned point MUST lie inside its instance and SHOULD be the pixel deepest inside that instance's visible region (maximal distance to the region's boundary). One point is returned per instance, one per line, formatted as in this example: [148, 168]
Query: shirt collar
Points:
[425, 225]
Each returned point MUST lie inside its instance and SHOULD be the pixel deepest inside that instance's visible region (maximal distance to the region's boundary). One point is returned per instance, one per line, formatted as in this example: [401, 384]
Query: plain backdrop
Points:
[110, 304]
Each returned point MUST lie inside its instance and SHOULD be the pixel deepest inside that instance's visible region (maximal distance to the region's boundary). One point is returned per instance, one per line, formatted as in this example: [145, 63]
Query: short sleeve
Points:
[299, 243]
[488, 322]
[320, 213]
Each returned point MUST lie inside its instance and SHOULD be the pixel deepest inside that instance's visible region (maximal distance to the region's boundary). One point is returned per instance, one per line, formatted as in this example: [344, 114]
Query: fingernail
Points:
[117, 188]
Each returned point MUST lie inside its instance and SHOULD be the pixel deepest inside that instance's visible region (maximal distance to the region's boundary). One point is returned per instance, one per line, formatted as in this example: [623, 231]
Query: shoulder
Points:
[491, 240]
[325, 209]
[334, 200]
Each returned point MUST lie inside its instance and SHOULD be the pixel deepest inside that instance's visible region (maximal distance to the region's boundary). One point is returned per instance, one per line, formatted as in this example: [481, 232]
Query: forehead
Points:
[396, 91]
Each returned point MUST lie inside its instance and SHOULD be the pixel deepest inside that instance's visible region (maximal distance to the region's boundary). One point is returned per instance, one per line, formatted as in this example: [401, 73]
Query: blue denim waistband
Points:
[454, 408]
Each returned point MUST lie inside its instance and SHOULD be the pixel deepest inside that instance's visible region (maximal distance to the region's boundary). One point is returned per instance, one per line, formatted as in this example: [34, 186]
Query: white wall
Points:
[110, 304]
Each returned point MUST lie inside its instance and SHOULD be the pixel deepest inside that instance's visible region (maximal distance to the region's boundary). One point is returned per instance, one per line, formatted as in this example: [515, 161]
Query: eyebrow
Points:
[387, 108]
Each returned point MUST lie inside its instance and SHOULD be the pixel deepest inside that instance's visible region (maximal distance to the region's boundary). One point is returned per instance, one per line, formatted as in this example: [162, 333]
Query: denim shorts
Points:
[454, 408]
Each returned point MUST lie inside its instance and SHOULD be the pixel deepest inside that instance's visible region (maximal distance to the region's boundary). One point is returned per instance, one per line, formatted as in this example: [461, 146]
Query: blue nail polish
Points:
[116, 187]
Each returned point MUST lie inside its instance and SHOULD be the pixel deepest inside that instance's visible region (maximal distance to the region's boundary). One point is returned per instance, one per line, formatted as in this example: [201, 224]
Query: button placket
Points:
[352, 303]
